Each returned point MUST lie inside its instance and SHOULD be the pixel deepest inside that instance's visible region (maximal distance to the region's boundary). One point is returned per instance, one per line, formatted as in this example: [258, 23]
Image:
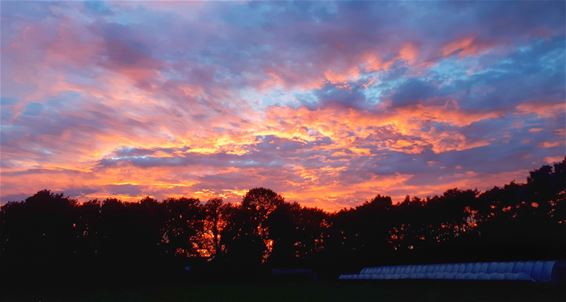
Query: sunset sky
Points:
[327, 103]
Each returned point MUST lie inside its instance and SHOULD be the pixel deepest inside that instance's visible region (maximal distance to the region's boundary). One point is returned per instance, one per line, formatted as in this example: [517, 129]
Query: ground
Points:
[301, 291]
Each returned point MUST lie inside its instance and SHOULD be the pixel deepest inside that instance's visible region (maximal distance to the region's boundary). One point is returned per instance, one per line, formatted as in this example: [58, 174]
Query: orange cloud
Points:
[102, 108]
[409, 53]
[551, 144]
[337, 77]
[542, 109]
[399, 130]
[463, 47]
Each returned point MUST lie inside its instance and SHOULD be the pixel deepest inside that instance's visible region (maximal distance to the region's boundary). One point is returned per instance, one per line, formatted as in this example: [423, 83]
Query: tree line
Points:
[49, 234]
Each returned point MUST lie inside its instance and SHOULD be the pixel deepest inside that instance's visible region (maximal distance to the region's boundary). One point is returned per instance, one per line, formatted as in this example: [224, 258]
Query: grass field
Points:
[287, 291]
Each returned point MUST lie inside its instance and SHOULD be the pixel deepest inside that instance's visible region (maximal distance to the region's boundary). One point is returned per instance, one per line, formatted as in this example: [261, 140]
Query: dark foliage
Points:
[52, 237]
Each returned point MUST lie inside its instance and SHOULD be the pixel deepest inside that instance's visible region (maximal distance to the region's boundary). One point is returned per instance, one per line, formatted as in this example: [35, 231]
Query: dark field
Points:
[286, 291]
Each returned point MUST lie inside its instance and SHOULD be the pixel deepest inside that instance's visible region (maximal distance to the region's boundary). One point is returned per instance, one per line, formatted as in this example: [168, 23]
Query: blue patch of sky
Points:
[82, 77]
[244, 18]
[97, 7]
[373, 92]
[555, 60]
[453, 69]
[382, 88]
[135, 16]
[307, 98]
[65, 99]
[33, 109]
[5, 115]
[277, 97]
[5, 101]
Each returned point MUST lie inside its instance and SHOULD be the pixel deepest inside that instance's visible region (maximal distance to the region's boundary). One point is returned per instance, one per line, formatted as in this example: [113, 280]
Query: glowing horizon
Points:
[326, 103]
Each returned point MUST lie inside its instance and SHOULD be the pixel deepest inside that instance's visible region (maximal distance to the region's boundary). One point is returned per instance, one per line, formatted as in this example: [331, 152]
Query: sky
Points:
[326, 103]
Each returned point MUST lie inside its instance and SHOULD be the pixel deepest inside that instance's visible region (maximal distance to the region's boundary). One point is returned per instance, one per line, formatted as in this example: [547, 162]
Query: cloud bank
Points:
[328, 103]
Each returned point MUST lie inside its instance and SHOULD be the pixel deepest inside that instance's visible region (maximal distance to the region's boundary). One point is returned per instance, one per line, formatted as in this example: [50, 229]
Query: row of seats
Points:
[440, 276]
[540, 271]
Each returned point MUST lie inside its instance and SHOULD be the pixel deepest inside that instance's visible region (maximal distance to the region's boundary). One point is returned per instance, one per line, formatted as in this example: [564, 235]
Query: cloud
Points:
[412, 92]
[326, 102]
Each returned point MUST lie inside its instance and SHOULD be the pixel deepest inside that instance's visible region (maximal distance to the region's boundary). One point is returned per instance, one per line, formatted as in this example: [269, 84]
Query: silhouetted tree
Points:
[183, 227]
[215, 211]
[242, 243]
[50, 236]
